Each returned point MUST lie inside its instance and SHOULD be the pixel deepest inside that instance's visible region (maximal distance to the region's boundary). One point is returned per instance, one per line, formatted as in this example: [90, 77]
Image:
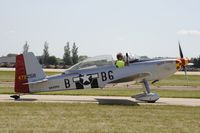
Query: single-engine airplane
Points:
[94, 72]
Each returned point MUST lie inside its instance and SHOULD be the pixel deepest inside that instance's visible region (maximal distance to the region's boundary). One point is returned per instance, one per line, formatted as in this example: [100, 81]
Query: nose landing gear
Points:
[147, 96]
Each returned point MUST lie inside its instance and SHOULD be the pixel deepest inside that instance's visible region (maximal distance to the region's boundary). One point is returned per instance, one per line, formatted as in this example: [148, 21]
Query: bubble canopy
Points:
[93, 62]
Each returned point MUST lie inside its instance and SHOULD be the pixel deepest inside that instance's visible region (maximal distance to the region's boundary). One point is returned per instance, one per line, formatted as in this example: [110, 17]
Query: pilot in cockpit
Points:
[120, 62]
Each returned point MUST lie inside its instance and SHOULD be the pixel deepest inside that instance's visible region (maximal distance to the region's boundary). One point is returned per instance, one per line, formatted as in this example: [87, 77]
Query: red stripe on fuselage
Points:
[20, 75]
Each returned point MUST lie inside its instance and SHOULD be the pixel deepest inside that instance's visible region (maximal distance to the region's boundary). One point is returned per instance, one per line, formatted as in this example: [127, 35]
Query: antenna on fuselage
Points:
[127, 59]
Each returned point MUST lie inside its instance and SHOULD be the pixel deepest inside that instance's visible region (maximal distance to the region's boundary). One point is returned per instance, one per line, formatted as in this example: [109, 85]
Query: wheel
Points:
[16, 97]
[151, 101]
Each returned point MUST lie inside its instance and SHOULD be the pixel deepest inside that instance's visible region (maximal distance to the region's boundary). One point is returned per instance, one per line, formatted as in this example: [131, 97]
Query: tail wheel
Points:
[16, 97]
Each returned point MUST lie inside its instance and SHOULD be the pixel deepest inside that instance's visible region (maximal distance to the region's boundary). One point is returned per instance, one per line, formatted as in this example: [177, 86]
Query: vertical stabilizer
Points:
[27, 70]
[20, 75]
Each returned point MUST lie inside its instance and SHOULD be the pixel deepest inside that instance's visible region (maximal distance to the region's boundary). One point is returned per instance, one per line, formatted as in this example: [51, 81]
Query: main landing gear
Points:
[16, 97]
[147, 96]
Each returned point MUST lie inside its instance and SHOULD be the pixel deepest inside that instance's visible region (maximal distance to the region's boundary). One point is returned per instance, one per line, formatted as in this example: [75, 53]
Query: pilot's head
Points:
[119, 56]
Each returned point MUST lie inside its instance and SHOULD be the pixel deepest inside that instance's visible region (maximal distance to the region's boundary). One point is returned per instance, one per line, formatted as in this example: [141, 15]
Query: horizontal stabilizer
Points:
[36, 82]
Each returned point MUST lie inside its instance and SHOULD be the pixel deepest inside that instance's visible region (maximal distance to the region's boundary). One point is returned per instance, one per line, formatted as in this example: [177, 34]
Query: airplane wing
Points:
[135, 77]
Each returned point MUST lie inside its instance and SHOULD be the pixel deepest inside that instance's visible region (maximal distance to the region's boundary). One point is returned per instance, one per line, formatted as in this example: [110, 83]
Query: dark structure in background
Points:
[7, 61]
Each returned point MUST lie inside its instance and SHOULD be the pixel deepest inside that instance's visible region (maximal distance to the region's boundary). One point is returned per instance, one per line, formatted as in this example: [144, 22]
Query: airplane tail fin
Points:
[27, 69]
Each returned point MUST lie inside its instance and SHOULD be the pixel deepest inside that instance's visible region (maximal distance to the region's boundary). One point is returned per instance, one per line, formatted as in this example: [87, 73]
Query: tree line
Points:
[70, 56]
[196, 62]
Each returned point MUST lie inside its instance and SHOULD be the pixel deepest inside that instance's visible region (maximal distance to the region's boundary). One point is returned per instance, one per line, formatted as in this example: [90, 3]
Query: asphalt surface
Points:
[105, 100]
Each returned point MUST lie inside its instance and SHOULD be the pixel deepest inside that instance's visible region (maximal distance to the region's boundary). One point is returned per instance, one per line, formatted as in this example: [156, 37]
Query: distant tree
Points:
[11, 55]
[25, 48]
[82, 57]
[67, 55]
[144, 57]
[196, 62]
[59, 61]
[40, 59]
[52, 60]
[45, 55]
[74, 53]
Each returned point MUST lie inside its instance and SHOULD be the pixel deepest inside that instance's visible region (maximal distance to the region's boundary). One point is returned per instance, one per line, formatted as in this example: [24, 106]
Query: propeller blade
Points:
[186, 76]
[180, 50]
[183, 65]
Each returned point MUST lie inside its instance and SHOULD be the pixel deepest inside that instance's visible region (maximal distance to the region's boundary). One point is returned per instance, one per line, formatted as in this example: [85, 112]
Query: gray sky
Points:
[142, 27]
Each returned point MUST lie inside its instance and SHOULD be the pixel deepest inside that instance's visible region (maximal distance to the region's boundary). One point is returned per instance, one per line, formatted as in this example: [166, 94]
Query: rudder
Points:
[20, 75]
[27, 69]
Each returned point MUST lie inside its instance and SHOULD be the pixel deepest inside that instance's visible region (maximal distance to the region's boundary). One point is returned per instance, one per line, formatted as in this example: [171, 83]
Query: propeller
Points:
[184, 61]
[180, 50]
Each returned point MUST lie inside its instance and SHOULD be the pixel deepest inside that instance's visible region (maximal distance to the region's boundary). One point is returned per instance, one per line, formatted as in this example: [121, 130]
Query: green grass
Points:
[180, 80]
[9, 76]
[116, 92]
[89, 118]
[6, 90]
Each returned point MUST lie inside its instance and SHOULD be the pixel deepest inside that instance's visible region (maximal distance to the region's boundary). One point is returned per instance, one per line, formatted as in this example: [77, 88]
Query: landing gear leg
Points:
[16, 97]
[147, 96]
[146, 85]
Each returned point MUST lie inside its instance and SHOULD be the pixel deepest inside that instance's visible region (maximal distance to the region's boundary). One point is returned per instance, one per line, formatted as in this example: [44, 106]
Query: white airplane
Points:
[94, 72]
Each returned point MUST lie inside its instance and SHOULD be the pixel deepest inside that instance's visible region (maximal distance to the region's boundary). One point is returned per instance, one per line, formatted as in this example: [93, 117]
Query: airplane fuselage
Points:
[99, 77]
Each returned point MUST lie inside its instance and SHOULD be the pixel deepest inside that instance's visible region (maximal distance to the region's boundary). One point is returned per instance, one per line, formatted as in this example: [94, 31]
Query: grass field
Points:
[22, 117]
[9, 76]
[180, 80]
[86, 118]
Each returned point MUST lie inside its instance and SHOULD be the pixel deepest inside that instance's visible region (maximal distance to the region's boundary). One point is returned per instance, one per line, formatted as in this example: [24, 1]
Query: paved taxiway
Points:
[99, 100]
